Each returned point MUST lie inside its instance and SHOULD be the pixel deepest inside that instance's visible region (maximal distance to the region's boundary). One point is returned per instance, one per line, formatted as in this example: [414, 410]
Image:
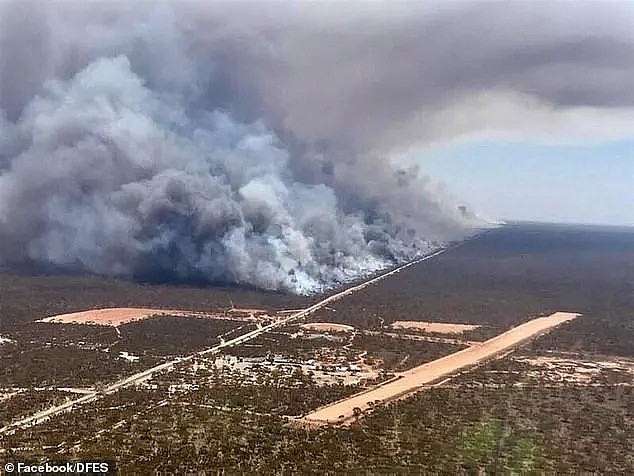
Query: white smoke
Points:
[113, 177]
[251, 142]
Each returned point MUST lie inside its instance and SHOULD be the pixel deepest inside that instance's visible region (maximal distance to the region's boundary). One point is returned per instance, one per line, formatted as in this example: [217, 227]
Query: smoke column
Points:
[241, 144]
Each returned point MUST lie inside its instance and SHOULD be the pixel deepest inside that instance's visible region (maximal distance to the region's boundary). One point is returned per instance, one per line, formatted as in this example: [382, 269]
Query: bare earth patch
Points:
[408, 382]
[438, 327]
[327, 327]
[114, 316]
[248, 312]
[579, 371]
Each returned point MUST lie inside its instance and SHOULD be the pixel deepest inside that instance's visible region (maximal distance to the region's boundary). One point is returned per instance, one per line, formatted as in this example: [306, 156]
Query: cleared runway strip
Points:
[407, 382]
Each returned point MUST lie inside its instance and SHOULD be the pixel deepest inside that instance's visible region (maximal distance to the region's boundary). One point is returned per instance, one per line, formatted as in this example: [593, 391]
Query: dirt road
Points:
[411, 380]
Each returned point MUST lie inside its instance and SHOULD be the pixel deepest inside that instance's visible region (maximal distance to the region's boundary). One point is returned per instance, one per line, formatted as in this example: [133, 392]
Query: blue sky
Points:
[526, 181]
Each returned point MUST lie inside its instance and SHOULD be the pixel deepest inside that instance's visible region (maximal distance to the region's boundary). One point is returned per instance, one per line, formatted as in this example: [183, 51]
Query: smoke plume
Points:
[251, 143]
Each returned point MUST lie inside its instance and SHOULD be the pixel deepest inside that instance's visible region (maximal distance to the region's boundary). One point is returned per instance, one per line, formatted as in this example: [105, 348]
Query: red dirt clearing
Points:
[114, 316]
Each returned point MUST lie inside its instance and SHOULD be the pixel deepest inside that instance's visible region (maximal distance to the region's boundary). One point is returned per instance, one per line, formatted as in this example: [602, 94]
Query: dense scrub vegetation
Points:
[66, 366]
[24, 297]
[506, 276]
[83, 355]
[25, 402]
[529, 431]
[401, 354]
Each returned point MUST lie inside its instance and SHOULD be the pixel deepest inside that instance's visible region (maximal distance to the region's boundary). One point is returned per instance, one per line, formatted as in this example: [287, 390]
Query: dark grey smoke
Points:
[251, 143]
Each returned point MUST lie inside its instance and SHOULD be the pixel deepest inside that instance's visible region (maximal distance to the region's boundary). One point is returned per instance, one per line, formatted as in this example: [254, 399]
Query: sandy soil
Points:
[240, 310]
[410, 381]
[288, 311]
[327, 327]
[113, 317]
[579, 371]
[438, 327]
[423, 338]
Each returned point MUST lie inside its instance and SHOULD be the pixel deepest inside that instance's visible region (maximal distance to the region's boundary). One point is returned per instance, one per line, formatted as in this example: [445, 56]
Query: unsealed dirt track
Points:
[327, 327]
[412, 380]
